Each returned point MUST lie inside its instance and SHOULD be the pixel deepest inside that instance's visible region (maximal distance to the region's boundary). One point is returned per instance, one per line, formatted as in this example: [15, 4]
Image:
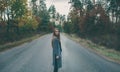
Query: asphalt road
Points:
[36, 56]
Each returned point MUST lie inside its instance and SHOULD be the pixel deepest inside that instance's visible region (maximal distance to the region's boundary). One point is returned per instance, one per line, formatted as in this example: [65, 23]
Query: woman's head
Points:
[56, 33]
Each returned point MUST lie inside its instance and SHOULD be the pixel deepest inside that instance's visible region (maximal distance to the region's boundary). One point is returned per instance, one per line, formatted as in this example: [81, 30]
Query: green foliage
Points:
[96, 20]
[68, 27]
[90, 5]
[52, 9]
[28, 24]
[77, 4]
[17, 19]
[18, 8]
[44, 17]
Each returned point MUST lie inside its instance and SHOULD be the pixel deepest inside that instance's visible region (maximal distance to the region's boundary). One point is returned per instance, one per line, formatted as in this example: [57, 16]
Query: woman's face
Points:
[56, 32]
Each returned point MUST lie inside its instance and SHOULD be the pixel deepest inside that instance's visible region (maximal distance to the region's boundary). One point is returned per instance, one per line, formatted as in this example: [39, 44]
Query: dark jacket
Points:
[57, 52]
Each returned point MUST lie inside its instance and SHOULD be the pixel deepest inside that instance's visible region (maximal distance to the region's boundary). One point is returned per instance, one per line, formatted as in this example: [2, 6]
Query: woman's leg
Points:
[55, 67]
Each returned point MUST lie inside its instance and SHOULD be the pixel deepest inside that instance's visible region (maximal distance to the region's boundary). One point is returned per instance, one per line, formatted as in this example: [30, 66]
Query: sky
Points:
[62, 6]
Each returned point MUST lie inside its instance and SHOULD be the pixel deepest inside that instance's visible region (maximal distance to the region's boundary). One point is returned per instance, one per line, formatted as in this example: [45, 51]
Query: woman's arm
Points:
[56, 47]
[60, 46]
[52, 43]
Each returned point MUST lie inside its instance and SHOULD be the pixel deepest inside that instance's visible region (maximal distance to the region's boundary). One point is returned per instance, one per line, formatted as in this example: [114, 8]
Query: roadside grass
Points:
[107, 53]
[22, 41]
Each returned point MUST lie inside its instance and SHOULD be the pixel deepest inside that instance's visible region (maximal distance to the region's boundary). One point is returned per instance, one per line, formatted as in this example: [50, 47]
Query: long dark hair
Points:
[54, 35]
[58, 36]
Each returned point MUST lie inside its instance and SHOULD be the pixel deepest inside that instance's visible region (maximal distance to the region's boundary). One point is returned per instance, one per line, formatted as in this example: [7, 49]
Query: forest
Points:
[24, 18]
[96, 20]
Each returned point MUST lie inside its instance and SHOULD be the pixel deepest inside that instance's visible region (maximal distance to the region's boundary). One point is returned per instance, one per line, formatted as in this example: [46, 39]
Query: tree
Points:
[3, 5]
[18, 9]
[73, 17]
[77, 14]
[114, 8]
[52, 11]
[44, 16]
[34, 7]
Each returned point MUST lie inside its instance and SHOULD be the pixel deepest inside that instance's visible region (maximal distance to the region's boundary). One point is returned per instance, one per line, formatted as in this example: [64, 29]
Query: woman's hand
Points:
[57, 57]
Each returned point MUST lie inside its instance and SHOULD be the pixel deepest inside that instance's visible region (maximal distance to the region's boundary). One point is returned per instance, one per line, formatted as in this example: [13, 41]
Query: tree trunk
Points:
[112, 17]
[4, 16]
[8, 23]
[1, 16]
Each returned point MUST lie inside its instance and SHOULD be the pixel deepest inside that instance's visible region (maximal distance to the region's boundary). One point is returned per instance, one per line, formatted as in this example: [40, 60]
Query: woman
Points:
[56, 45]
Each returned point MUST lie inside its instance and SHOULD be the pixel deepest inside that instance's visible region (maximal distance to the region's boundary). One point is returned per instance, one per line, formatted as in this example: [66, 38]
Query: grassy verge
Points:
[107, 53]
[16, 43]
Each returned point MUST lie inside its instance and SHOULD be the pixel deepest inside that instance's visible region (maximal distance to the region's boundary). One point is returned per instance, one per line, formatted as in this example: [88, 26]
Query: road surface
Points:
[36, 56]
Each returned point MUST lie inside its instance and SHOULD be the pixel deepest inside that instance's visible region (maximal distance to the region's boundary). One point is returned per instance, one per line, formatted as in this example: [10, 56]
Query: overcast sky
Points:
[62, 6]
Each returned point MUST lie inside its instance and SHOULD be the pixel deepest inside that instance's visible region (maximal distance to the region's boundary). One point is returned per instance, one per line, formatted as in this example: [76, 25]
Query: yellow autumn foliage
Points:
[28, 22]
